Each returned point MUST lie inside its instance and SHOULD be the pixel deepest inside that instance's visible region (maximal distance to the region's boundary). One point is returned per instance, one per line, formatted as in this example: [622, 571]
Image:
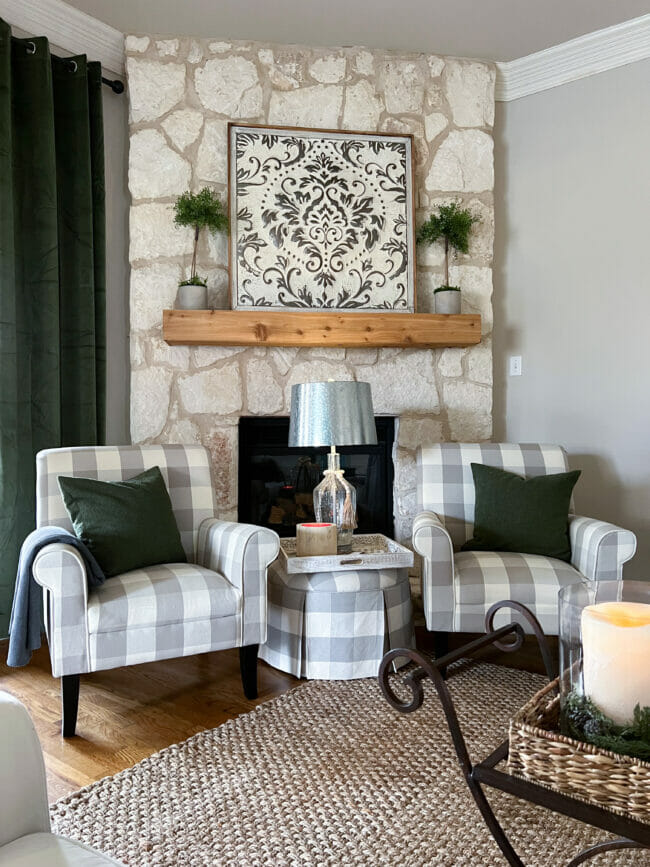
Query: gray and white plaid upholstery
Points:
[217, 600]
[241, 552]
[336, 625]
[458, 589]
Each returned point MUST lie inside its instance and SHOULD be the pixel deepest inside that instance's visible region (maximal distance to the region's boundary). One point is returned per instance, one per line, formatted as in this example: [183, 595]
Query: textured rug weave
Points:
[328, 774]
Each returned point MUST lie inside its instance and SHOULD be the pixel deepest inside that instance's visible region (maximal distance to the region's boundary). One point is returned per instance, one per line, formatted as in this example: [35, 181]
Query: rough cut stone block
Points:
[153, 289]
[318, 106]
[415, 432]
[183, 127]
[436, 66]
[361, 356]
[217, 391]
[470, 93]
[167, 47]
[403, 86]
[149, 402]
[479, 363]
[161, 353]
[183, 431]
[205, 356]
[328, 70]
[195, 54]
[137, 44]
[154, 88]
[404, 383]
[264, 395]
[229, 86]
[476, 287]
[363, 107]
[450, 361]
[212, 157]
[469, 408]
[222, 444]
[364, 63]
[463, 162]
[434, 124]
[154, 234]
[172, 175]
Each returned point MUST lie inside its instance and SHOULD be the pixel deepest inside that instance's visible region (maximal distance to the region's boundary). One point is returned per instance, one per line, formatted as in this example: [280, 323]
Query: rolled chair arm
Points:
[61, 571]
[241, 553]
[599, 549]
[432, 541]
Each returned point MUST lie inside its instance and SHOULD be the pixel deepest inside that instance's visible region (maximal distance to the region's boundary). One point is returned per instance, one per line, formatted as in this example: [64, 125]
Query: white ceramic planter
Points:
[447, 301]
[192, 298]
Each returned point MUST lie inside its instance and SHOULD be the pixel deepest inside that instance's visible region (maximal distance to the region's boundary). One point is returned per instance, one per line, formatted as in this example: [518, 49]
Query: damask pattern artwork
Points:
[321, 219]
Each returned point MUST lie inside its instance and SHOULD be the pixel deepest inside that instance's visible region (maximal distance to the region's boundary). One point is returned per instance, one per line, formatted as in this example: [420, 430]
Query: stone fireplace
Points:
[182, 94]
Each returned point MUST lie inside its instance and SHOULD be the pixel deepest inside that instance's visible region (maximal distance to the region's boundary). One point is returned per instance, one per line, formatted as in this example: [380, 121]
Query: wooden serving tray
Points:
[371, 551]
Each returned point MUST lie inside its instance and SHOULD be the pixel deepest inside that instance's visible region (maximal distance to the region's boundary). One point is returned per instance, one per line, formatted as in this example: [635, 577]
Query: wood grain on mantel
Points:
[317, 328]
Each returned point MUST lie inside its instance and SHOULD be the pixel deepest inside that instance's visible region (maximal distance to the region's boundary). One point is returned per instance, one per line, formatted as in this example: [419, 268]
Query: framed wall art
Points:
[320, 219]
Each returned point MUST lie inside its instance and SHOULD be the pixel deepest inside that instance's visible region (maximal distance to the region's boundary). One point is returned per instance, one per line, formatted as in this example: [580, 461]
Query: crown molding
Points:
[68, 28]
[587, 55]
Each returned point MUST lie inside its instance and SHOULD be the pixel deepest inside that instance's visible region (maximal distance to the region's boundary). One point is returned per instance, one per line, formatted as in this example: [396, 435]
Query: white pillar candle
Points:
[315, 540]
[616, 657]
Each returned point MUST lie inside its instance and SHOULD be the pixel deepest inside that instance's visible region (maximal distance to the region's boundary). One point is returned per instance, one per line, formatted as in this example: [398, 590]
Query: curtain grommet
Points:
[30, 48]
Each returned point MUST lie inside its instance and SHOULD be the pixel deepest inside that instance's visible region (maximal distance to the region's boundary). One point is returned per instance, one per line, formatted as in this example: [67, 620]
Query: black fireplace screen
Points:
[276, 482]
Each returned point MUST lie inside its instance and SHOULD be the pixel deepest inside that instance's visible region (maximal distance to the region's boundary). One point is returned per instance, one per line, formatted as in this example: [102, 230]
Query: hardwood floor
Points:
[129, 713]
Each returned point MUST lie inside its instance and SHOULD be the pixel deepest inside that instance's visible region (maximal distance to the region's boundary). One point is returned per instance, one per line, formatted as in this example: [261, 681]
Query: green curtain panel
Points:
[52, 267]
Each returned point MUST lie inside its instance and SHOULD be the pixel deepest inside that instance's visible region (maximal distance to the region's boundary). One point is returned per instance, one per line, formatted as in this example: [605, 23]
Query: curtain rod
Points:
[114, 83]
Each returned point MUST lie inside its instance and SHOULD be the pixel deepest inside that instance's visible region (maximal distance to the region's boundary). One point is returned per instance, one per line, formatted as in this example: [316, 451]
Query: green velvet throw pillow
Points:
[126, 525]
[528, 516]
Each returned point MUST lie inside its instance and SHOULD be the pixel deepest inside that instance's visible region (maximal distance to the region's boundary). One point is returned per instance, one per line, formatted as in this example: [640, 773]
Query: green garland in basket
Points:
[582, 720]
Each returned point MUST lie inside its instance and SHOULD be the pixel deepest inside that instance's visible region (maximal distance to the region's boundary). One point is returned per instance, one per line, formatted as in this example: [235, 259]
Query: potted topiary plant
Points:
[202, 210]
[452, 224]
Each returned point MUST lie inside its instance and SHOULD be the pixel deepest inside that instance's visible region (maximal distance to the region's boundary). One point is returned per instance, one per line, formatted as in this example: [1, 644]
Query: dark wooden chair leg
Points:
[248, 666]
[441, 647]
[69, 704]
[440, 643]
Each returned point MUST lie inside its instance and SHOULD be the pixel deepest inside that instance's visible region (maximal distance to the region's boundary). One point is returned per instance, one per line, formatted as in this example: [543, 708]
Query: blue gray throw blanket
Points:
[25, 623]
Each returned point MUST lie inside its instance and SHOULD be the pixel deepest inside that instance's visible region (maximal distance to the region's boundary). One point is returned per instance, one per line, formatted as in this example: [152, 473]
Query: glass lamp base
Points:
[335, 502]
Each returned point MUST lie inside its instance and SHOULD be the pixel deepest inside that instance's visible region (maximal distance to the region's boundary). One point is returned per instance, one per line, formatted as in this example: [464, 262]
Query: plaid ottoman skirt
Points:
[336, 625]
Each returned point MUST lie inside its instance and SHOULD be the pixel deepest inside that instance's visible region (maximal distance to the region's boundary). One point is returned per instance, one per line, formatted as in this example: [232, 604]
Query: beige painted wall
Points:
[572, 286]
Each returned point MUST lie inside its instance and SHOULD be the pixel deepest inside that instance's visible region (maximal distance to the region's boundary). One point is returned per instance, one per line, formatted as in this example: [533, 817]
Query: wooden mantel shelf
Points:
[316, 328]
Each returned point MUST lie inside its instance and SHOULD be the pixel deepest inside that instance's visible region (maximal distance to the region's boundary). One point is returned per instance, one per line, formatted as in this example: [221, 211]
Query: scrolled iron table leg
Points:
[412, 680]
[435, 670]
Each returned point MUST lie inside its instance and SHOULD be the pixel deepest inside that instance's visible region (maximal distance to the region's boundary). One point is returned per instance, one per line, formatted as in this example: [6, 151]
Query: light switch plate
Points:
[515, 365]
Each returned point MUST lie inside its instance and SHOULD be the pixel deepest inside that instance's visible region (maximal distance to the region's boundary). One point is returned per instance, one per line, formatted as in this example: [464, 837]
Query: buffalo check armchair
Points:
[458, 587]
[215, 601]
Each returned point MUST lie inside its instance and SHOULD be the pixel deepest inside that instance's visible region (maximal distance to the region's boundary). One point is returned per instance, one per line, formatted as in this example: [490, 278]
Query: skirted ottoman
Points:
[336, 625]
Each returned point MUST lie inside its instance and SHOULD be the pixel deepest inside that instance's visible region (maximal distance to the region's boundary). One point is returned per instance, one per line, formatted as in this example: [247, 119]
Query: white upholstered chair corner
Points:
[26, 838]
[216, 600]
[458, 587]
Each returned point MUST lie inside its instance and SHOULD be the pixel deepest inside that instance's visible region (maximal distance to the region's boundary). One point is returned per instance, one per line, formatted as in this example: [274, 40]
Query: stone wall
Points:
[182, 94]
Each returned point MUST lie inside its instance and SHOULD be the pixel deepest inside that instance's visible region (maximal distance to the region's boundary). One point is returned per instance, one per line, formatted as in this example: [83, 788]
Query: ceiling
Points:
[488, 29]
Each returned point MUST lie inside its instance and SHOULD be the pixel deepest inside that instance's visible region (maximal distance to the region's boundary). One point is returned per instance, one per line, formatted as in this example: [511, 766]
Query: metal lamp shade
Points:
[332, 414]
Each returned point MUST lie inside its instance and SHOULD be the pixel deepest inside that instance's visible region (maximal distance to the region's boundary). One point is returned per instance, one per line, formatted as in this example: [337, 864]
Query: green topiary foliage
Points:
[202, 210]
[453, 225]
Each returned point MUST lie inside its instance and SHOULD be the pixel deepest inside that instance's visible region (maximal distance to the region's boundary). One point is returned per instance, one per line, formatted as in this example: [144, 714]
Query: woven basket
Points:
[542, 755]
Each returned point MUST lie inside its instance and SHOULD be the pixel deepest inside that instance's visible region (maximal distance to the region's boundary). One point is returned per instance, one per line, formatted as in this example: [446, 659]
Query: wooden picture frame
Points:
[320, 219]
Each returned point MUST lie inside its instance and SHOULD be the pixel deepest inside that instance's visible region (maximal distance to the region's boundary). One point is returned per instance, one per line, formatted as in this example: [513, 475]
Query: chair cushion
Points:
[159, 595]
[485, 577]
[38, 850]
[530, 516]
[128, 524]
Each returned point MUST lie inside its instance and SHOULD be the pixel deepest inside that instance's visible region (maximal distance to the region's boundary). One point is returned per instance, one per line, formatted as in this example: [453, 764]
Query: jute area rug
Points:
[328, 774]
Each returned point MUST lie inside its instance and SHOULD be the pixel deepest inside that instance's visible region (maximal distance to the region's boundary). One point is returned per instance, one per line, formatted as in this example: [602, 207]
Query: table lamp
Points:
[333, 414]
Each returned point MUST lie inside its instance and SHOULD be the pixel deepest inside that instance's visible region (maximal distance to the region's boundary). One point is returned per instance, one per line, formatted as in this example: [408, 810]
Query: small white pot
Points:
[447, 301]
[192, 298]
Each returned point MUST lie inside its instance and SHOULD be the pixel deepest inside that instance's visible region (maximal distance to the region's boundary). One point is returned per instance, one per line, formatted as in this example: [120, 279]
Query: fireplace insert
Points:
[276, 482]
